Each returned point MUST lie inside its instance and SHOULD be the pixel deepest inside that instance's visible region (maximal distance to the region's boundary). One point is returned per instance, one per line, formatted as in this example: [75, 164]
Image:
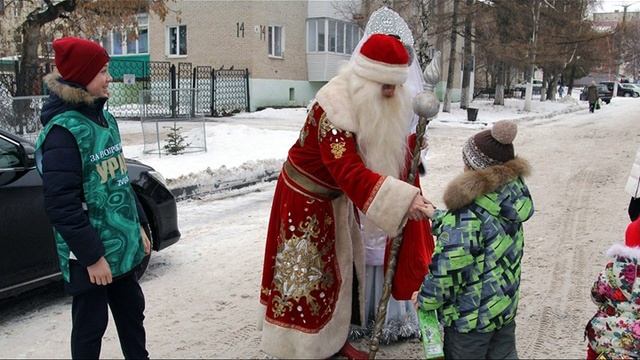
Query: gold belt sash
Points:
[309, 185]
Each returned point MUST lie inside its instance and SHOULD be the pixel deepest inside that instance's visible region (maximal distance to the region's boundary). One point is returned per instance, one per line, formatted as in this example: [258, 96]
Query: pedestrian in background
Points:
[592, 96]
[561, 90]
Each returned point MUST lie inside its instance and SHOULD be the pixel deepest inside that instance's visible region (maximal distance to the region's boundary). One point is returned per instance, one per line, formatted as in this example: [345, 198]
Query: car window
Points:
[9, 155]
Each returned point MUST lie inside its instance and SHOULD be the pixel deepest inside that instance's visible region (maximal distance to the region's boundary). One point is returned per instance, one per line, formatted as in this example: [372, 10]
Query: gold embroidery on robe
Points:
[299, 268]
[326, 127]
[337, 149]
[303, 135]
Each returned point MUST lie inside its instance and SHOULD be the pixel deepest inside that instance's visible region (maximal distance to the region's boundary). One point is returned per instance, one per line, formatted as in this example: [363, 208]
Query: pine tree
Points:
[176, 143]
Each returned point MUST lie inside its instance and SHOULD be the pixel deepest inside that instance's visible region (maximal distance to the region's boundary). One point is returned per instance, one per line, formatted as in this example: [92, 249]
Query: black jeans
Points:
[592, 106]
[499, 344]
[89, 315]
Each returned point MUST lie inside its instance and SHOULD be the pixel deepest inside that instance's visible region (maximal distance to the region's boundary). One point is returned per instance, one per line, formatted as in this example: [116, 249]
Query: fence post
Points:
[246, 78]
[193, 92]
[172, 75]
[16, 78]
[213, 92]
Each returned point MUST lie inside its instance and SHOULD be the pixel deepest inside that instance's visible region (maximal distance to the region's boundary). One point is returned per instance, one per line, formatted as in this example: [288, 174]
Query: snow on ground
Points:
[202, 293]
[251, 146]
[511, 110]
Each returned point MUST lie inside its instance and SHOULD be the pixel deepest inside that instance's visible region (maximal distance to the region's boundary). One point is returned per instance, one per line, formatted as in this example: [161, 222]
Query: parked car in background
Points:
[622, 91]
[603, 93]
[28, 258]
[522, 87]
[633, 87]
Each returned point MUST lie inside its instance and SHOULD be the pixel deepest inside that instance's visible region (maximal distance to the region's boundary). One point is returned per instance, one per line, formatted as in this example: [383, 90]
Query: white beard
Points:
[383, 125]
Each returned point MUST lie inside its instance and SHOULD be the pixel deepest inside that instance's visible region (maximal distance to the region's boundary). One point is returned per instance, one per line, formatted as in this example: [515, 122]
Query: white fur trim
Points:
[380, 72]
[625, 251]
[335, 100]
[390, 205]
[289, 343]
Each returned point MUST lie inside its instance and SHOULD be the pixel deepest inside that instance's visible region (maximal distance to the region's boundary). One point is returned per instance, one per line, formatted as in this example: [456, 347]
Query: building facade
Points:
[291, 48]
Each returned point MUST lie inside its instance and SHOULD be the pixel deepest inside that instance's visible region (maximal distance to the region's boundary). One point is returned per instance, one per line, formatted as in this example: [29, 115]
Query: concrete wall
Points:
[269, 92]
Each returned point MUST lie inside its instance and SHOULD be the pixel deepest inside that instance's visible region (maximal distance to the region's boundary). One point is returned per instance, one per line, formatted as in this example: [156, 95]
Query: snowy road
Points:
[202, 292]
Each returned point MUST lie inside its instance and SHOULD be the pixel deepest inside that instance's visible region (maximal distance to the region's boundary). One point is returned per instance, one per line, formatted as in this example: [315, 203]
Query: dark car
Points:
[28, 257]
[621, 90]
[603, 93]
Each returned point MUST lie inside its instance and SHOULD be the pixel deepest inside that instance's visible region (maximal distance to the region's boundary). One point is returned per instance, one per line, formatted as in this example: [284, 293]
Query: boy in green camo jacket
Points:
[474, 276]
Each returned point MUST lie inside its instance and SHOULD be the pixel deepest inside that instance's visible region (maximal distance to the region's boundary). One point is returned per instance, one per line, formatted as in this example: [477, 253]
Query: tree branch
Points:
[52, 12]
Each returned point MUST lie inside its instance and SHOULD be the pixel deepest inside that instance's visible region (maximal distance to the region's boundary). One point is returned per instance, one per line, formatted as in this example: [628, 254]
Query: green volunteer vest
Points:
[109, 197]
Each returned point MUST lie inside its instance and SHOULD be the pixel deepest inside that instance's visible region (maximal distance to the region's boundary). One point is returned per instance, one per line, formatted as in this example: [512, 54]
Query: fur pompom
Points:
[504, 131]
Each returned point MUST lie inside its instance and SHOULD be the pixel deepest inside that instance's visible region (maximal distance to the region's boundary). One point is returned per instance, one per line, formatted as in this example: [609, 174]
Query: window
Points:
[117, 43]
[331, 35]
[340, 38]
[177, 40]
[133, 41]
[312, 40]
[276, 47]
[321, 32]
[348, 39]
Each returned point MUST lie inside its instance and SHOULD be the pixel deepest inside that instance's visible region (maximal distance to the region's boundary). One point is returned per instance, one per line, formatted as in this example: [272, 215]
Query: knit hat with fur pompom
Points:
[490, 147]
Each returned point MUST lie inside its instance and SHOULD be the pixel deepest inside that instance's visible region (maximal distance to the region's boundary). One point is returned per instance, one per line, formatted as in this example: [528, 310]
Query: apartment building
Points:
[291, 48]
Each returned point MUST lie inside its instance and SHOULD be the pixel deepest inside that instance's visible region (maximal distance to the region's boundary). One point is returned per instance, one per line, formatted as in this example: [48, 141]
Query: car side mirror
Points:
[14, 160]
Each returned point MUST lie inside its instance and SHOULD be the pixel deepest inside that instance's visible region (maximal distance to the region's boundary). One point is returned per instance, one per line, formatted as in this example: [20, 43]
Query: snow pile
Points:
[227, 145]
[224, 178]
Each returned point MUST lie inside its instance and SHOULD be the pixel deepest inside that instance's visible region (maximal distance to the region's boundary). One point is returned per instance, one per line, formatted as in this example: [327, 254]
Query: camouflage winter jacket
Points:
[474, 276]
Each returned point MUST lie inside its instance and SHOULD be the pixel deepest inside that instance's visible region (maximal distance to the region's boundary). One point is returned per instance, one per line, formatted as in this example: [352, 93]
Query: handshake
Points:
[421, 209]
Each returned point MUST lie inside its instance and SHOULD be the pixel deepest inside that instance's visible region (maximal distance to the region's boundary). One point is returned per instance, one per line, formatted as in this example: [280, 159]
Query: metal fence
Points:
[220, 92]
[163, 127]
[21, 115]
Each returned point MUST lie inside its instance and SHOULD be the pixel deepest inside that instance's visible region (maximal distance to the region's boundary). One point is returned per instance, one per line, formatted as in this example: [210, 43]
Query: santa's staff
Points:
[426, 106]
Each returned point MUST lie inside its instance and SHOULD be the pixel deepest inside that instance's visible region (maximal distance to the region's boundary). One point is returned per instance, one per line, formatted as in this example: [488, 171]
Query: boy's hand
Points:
[100, 272]
[145, 241]
[414, 299]
[430, 209]
[417, 210]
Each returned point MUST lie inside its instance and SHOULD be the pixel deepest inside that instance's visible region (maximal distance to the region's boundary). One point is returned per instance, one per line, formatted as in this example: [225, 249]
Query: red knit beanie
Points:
[632, 236]
[383, 59]
[79, 60]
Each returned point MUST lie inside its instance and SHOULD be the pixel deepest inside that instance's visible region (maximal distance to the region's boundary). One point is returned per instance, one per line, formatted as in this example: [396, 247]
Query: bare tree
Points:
[48, 18]
[534, 8]
[446, 106]
[468, 56]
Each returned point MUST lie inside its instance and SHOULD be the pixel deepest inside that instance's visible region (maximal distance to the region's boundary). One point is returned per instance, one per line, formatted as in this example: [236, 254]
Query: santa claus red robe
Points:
[314, 257]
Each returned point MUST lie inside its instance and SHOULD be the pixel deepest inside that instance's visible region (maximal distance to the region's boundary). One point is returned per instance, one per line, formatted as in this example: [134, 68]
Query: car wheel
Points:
[627, 95]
